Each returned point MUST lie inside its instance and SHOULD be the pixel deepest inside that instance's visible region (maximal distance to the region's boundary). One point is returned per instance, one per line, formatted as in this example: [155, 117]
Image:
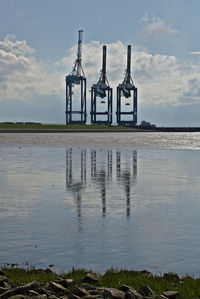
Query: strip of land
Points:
[53, 128]
[43, 128]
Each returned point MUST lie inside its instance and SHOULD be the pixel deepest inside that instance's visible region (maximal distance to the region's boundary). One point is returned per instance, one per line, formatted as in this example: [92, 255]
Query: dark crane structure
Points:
[103, 91]
[77, 77]
[127, 90]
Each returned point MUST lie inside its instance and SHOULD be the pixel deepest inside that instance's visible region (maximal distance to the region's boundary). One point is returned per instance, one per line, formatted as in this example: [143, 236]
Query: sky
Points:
[38, 46]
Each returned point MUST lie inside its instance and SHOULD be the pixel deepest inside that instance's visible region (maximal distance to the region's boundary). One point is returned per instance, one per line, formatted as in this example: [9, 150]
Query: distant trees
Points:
[147, 125]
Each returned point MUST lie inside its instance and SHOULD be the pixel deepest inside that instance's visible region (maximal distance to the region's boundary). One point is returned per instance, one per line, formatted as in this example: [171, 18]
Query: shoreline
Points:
[81, 283]
[69, 131]
[30, 127]
[88, 130]
[50, 128]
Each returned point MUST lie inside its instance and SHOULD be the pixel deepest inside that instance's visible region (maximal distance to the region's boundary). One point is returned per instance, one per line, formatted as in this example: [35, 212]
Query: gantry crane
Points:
[77, 77]
[103, 91]
[127, 90]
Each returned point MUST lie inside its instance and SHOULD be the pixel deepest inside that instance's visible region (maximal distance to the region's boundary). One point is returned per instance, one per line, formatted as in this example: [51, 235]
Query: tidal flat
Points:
[99, 201]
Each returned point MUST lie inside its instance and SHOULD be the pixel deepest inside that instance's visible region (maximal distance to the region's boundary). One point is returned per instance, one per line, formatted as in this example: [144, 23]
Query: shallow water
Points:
[101, 200]
[137, 140]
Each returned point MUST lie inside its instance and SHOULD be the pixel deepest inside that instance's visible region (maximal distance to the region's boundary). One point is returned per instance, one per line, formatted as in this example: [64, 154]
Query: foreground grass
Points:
[188, 287]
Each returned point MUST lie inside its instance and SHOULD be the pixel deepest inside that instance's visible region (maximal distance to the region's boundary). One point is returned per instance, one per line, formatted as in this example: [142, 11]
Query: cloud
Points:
[161, 79]
[20, 13]
[21, 76]
[156, 27]
[16, 47]
[164, 80]
[195, 53]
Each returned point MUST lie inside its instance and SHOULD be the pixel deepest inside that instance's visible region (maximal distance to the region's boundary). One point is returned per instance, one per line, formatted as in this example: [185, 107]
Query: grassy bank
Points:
[187, 286]
[31, 127]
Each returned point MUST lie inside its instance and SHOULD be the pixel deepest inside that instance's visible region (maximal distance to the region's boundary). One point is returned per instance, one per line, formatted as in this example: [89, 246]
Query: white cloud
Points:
[21, 75]
[165, 80]
[156, 27]
[161, 79]
[16, 47]
[195, 53]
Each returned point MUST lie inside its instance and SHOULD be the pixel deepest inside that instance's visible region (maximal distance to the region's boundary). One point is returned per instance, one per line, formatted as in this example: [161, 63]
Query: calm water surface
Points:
[101, 200]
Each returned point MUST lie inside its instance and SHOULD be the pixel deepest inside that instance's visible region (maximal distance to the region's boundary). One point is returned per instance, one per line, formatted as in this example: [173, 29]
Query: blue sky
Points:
[38, 47]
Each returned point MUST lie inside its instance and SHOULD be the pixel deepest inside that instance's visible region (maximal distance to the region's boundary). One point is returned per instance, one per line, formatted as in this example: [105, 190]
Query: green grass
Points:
[187, 286]
[17, 276]
[32, 126]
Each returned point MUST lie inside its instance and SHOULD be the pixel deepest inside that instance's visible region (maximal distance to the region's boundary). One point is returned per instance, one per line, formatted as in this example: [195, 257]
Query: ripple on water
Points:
[139, 140]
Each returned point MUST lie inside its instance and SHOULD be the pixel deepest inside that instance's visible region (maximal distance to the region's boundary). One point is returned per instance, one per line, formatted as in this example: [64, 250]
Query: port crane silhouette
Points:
[101, 94]
[127, 90]
[103, 91]
[76, 77]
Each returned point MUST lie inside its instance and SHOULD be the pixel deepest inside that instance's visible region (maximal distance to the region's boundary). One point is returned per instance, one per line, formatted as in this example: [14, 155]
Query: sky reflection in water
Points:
[100, 207]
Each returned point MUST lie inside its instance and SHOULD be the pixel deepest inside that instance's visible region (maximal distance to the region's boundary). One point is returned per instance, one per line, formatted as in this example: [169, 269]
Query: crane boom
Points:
[128, 82]
[102, 84]
[128, 71]
[80, 40]
[77, 71]
[104, 65]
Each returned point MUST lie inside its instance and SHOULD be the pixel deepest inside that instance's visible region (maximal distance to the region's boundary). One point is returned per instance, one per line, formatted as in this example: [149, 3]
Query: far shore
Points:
[68, 131]
[53, 128]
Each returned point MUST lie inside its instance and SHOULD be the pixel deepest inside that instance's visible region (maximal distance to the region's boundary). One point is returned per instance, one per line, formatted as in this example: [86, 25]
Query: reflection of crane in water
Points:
[101, 179]
[102, 176]
[126, 178]
[76, 182]
[102, 168]
[124, 175]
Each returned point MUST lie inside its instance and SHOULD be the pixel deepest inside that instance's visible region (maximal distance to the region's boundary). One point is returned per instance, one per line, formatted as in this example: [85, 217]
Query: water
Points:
[101, 200]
